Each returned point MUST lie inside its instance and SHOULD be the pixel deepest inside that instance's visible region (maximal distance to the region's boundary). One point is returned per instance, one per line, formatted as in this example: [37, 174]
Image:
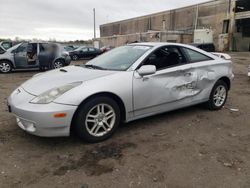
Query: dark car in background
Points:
[208, 47]
[69, 48]
[34, 55]
[84, 52]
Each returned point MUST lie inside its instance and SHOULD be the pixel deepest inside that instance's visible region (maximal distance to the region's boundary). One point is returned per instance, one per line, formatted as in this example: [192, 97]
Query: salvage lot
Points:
[192, 147]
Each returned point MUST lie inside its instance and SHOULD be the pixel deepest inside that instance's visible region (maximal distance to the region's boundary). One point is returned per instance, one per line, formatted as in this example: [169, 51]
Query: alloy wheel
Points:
[220, 95]
[5, 67]
[75, 57]
[58, 64]
[100, 120]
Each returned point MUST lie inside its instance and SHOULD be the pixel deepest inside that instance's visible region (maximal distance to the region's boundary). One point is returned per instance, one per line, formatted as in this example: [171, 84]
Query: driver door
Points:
[20, 56]
[171, 87]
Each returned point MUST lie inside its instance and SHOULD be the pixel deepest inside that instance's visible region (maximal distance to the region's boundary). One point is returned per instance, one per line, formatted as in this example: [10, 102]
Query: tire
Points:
[93, 127]
[42, 68]
[57, 64]
[218, 96]
[5, 67]
[75, 57]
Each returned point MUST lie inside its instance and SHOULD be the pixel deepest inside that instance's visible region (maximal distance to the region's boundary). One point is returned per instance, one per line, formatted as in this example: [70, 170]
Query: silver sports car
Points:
[122, 85]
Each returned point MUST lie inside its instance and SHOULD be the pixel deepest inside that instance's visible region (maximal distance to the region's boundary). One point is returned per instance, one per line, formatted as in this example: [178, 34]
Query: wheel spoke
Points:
[110, 116]
[97, 128]
[94, 127]
[91, 120]
[106, 123]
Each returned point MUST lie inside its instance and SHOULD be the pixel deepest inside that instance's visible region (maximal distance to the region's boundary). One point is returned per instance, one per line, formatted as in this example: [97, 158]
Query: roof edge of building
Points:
[153, 14]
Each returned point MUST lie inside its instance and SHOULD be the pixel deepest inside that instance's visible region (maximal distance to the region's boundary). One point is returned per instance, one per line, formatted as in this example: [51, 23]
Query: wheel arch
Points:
[227, 81]
[113, 96]
[60, 59]
[12, 64]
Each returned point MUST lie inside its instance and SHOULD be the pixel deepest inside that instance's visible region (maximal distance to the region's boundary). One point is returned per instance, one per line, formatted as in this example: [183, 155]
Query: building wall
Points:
[210, 15]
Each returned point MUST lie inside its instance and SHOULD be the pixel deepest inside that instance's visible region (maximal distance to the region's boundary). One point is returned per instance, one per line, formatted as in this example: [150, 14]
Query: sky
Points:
[66, 20]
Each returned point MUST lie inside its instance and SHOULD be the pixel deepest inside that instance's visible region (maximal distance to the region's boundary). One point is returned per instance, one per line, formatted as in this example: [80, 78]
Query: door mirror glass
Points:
[146, 70]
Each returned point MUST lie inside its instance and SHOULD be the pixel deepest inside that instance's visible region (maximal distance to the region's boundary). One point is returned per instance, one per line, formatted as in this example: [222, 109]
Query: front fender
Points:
[119, 84]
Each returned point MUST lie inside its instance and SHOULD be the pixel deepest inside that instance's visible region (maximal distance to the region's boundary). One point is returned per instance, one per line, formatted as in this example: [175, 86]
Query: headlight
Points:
[50, 95]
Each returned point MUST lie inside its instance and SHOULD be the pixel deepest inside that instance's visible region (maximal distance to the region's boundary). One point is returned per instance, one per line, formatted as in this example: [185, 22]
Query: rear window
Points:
[195, 56]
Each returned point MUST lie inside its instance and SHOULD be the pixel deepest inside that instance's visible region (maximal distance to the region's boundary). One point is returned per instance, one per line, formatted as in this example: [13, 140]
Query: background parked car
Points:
[6, 44]
[208, 47]
[34, 55]
[106, 48]
[70, 48]
[84, 52]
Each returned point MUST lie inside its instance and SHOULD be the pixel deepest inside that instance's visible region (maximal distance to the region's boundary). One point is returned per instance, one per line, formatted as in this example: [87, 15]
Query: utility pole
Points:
[232, 5]
[197, 16]
[94, 24]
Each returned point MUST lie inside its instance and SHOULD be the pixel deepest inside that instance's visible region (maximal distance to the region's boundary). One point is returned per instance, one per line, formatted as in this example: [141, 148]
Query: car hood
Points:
[44, 81]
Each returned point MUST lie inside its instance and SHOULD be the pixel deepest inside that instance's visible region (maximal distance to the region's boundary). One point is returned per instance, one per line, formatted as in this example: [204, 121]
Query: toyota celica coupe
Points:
[122, 85]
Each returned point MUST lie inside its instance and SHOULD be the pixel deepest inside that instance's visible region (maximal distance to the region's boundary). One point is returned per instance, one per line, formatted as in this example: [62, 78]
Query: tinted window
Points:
[6, 45]
[196, 56]
[43, 47]
[92, 49]
[166, 57]
[84, 49]
[22, 48]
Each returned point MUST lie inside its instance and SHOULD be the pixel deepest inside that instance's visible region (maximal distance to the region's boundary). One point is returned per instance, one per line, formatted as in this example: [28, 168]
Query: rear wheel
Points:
[97, 119]
[5, 67]
[218, 96]
[75, 57]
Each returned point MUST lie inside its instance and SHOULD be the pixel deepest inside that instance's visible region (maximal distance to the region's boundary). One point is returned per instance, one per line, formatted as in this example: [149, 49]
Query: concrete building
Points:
[229, 20]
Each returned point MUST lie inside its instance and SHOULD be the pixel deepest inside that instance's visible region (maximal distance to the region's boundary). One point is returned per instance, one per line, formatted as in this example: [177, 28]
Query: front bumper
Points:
[38, 119]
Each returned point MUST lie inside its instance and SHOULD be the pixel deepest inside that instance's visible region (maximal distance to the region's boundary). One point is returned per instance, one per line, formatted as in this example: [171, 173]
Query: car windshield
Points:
[119, 59]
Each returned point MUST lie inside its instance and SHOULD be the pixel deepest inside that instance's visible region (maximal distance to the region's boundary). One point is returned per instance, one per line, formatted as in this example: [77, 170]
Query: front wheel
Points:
[5, 67]
[57, 64]
[97, 119]
[218, 96]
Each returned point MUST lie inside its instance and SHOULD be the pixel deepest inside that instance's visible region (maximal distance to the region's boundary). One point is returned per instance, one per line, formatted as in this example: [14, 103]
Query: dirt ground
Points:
[188, 148]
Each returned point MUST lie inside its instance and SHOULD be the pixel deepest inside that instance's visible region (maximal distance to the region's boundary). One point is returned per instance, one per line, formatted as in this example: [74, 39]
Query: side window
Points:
[84, 49]
[6, 45]
[196, 56]
[43, 47]
[166, 57]
[91, 49]
[22, 48]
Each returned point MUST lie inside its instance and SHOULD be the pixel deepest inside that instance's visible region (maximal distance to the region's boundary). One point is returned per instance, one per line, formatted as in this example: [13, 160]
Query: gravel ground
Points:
[192, 147]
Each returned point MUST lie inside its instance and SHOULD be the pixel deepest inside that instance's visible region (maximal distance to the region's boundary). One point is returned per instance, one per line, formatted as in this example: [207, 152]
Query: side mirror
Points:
[13, 51]
[146, 70]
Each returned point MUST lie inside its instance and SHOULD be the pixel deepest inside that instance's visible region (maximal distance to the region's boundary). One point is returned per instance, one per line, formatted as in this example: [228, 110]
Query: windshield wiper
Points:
[95, 67]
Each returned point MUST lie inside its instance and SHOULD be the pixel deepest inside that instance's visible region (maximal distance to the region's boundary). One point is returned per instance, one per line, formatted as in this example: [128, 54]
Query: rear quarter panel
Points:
[209, 73]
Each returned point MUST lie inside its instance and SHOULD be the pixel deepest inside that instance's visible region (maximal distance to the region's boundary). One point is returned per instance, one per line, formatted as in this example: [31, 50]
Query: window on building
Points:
[225, 26]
